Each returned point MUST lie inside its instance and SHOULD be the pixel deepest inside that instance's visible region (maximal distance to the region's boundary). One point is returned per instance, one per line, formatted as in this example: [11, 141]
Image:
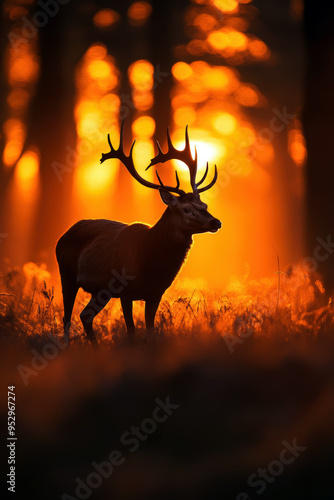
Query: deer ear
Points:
[168, 198]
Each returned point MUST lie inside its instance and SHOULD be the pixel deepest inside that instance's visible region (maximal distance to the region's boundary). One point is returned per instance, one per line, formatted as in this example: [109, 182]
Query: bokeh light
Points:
[26, 171]
[105, 18]
[139, 12]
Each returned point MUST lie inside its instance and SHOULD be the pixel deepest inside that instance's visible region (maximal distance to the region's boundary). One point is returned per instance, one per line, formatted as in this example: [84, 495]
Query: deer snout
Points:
[215, 224]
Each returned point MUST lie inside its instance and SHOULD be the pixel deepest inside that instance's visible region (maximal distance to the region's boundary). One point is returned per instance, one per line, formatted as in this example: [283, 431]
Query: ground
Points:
[230, 398]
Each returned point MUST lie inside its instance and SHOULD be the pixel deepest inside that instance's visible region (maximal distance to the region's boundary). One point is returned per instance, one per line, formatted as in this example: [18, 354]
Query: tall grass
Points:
[291, 303]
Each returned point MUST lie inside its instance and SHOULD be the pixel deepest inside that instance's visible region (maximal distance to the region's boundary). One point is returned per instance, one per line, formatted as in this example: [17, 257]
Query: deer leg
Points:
[127, 312]
[88, 314]
[70, 290]
[151, 307]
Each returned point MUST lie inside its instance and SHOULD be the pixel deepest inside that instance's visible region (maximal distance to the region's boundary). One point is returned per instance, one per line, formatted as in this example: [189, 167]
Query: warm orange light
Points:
[218, 40]
[15, 132]
[217, 78]
[184, 116]
[96, 51]
[182, 71]
[142, 100]
[18, 99]
[196, 47]
[27, 168]
[98, 72]
[96, 77]
[259, 177]
[238, 23]
[141, 74]
[99, 69]
[225, 123]
[208, 150]
[94, 178]
[227, 6]
[258, 49]
[88, 123]
[205, 22]
[105, 18]
[245, 136]
[23, 65]
[83, 108]
[228, 39]
[96, 114]
[297, 147]
[110, 102]
[32, 271]
[143, 127]
[247, 96]
[17, 13]
[265, 154]
[200, 67]
[11, 152]
[143, 151]
[238, 40]
[139, 12]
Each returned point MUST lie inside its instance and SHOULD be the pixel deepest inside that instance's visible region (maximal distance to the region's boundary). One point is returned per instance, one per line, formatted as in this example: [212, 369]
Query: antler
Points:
[214, 180]
[186, 157]
[128, 163]
[183, 155]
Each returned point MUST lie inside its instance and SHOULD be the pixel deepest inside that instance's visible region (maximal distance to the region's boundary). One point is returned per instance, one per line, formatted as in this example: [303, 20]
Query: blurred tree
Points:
[281, 82]
[319, 131]
[166, 32]
[51, 124]
[5, 174]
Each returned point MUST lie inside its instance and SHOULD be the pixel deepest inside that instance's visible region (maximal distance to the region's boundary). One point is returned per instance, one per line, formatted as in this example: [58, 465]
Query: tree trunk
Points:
[52, 127]
[319, 132]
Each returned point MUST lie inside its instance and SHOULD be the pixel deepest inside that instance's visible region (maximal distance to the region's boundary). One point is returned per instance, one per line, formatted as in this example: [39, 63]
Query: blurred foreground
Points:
[249, 375]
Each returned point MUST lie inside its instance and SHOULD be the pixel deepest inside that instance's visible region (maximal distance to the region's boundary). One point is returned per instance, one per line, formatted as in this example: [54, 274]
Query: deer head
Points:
[190, 214]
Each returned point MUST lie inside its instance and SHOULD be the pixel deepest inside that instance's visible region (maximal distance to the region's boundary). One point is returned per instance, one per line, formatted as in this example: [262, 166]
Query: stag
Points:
[110, 259]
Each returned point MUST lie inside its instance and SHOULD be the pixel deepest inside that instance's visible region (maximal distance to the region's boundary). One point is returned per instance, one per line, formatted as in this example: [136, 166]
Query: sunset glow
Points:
[15, 132]
[208, 94]
[167, 249]
[26, 171]
[96, 117]
[297, 146]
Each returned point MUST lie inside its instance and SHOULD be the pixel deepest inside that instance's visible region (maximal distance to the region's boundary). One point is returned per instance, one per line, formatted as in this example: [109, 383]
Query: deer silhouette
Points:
[110, 259]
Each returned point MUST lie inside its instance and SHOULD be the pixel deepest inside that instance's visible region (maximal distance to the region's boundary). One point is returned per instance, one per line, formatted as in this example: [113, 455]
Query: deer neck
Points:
[169, 248]
[169, 235]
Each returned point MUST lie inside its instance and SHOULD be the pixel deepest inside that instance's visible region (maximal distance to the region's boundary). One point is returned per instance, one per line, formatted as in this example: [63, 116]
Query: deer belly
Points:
[147, 286]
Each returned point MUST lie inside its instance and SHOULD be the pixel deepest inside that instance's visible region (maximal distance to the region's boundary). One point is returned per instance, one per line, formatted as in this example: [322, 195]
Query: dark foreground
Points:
[175, 420]
[231, 398]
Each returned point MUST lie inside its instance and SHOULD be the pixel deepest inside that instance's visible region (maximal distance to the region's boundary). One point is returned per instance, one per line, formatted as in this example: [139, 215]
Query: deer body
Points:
[110, 259]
